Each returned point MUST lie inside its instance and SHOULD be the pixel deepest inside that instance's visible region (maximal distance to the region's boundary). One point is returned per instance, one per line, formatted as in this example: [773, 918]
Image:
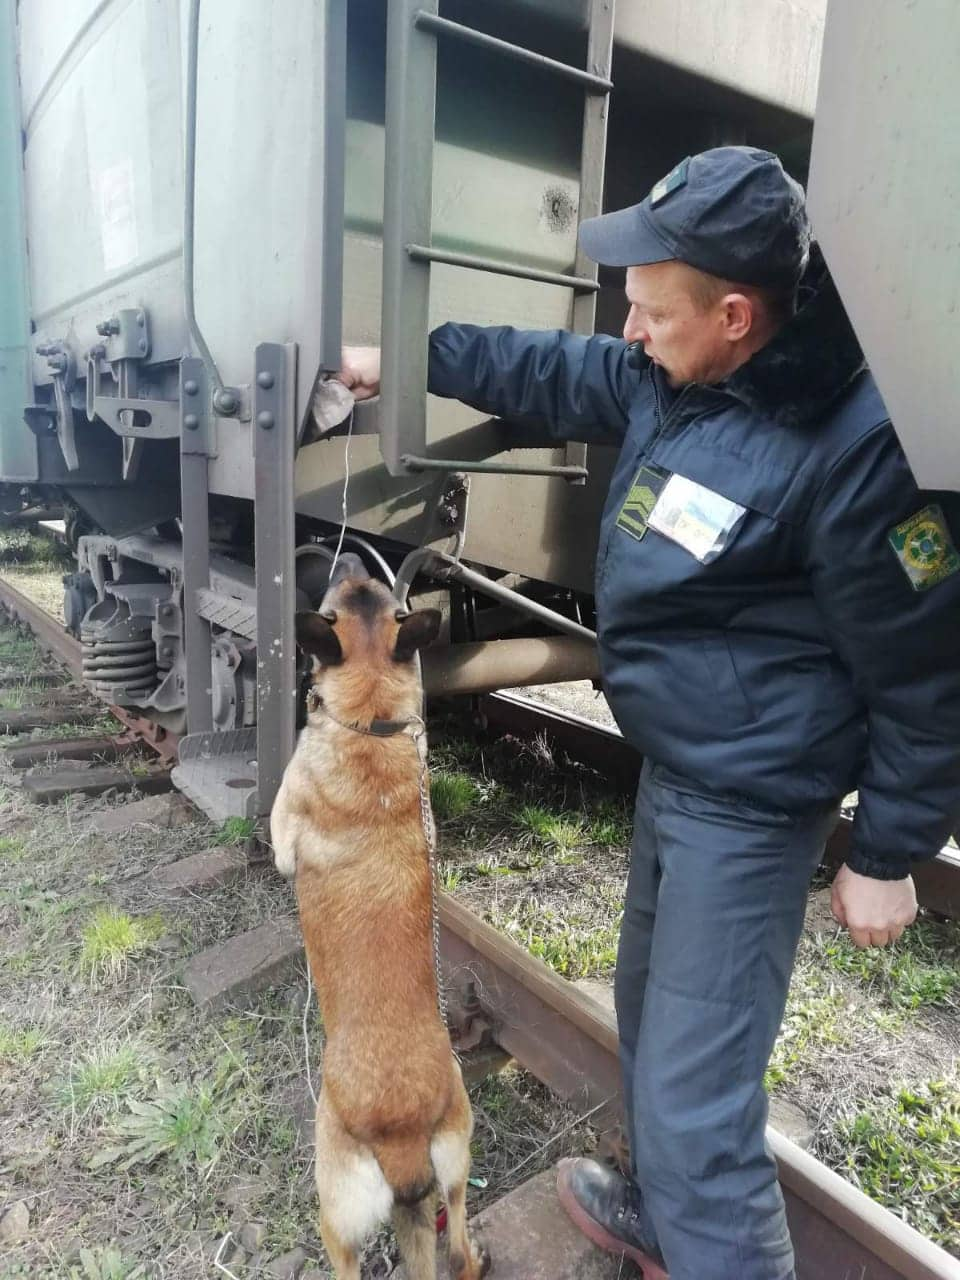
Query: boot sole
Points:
[598, 1234]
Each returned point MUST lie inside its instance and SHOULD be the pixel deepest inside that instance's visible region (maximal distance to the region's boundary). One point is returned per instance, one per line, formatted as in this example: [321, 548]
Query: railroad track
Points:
[501, 996]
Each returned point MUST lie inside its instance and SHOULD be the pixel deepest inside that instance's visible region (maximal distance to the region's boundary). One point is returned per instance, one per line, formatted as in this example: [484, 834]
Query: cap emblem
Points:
[677, 177]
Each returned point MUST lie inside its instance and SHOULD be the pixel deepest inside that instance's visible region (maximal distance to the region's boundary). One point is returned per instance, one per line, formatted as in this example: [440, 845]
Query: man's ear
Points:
[415, 632]
[738, 315]
[316, 637]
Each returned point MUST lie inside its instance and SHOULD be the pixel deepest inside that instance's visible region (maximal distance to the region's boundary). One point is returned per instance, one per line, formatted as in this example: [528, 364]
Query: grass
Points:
[23, 694]
[100, 1081]
[612, 824]
[21, 546]
[563, 832]
[453, 795]
[112, 938]
[236, 830]
[16, 1046]
[816, 1020]
[12, 849]
[903, 1150]
[573, 946]
[922, 969]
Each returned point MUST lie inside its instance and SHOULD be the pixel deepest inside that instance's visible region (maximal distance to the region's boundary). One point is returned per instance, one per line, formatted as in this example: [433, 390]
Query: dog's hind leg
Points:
[344, 1257]
[450, 1153]
[353, 1193]
[416, 1228]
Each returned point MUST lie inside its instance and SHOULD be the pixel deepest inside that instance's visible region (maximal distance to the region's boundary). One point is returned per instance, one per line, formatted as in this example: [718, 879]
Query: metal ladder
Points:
[413, 30]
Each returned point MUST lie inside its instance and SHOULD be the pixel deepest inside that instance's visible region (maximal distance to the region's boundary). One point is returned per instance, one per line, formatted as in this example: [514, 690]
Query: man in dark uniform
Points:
[778, 612]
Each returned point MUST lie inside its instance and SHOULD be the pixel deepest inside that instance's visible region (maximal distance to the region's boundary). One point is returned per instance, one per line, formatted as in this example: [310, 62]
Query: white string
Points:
[306, 1038]
[346, 486]
[336, 557]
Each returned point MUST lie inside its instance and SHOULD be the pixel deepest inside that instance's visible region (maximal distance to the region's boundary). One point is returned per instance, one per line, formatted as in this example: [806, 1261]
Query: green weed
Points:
[812, 1021]
[17, 1046]
[105, 1264]
[111, 938]
[452, 795]
[904, 1152]
[557, 831]
[451, 878]
[101, 1080]
[12, 849]
[611, 826]
[921, 969]
[182, 1123]
[572, 947]
[236, 830]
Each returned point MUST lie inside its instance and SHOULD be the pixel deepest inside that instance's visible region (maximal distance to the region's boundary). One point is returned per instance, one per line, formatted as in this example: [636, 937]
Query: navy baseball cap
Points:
[732, 212]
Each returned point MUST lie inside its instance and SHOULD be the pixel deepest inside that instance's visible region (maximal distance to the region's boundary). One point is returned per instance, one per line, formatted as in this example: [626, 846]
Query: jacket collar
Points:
[810, 361]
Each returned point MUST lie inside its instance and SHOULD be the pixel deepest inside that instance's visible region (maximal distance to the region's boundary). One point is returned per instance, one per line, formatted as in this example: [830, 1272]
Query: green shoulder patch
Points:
[925, 549]
[677, 177]
[640, 501]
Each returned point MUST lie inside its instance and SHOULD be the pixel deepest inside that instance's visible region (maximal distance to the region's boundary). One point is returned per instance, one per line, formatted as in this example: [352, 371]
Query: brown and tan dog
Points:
[393, 1118]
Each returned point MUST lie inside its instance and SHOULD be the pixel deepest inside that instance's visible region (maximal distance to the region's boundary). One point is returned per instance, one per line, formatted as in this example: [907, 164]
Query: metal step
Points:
[218, 772]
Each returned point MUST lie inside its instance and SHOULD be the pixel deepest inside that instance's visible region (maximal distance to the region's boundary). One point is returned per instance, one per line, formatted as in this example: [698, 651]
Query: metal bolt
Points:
[58, 362]
[191, 421]
[265, 420]
[107, 327]
[141, 319]
[142, 344]
[225, 402]
[191, 387]
[167, 611]
[265, 379]
[166, 652]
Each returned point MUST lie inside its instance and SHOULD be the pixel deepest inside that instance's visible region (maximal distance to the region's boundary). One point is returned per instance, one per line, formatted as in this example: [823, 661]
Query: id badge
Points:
[696, 518]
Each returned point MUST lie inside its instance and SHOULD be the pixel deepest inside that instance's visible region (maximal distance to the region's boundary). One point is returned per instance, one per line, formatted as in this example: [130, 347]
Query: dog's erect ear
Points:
[416, 631]
[316, 637]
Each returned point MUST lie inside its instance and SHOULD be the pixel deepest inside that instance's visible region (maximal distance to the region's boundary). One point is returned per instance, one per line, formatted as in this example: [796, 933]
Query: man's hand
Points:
[874, 912]
[360, 371]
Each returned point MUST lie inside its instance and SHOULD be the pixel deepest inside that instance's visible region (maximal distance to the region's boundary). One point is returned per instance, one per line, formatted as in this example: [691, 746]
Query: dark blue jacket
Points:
[802, 662]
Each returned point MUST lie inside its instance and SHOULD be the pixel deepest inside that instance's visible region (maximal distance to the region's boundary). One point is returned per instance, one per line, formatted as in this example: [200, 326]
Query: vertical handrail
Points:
[274, 427]
[334, 157]
[195, 522]
[411, 99]
[592, 159]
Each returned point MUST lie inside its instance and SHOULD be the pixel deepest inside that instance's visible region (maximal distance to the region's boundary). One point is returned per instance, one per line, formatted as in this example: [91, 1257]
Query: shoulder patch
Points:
[925, 549]
[677, 177]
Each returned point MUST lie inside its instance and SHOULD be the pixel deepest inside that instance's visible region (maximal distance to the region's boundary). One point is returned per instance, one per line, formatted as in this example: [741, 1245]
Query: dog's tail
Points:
[407, 1167]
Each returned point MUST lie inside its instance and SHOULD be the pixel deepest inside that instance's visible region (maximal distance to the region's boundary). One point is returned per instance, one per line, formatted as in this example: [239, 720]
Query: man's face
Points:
[687, 341]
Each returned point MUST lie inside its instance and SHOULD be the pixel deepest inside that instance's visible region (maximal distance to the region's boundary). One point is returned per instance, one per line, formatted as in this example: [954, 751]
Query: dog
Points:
[393, 1122]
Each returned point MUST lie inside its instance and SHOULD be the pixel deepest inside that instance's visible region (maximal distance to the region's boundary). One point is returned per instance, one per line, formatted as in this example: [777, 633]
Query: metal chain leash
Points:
[430, 833]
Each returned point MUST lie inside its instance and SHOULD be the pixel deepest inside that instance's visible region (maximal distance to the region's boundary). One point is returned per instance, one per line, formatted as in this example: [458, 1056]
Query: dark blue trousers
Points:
[714, 909]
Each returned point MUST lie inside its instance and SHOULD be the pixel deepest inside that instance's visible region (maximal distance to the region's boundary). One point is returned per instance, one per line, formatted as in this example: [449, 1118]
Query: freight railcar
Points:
[202, 199]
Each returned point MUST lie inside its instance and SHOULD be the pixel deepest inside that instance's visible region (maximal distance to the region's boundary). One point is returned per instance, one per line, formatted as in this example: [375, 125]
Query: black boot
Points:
[609, 1210]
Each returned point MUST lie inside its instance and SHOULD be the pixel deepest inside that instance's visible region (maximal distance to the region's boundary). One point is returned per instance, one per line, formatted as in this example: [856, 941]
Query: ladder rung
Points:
[422, 253]
[415, 463]
[443, 26]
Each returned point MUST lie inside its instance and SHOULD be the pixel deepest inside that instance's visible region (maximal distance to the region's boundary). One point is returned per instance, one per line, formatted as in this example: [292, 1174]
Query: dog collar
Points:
[376, 728]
